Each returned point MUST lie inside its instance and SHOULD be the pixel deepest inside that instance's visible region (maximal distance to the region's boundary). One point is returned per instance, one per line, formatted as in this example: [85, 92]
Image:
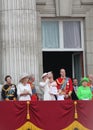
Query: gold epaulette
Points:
[59, 82]
[6, 90]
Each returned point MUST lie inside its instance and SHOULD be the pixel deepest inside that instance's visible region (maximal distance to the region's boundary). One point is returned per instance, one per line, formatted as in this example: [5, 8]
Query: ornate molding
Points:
[63, 7]
[87, 2]
[40, 2]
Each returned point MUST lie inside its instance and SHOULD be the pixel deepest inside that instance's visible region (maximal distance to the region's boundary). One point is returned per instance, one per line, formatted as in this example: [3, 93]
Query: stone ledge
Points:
[87, 2]
[40, 2]
[63, 8]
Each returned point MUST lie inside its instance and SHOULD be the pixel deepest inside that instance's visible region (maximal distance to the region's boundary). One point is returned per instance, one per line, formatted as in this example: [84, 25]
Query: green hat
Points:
[84, 79]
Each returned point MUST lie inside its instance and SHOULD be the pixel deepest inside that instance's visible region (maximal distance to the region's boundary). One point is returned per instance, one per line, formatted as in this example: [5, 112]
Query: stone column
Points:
[19, 35]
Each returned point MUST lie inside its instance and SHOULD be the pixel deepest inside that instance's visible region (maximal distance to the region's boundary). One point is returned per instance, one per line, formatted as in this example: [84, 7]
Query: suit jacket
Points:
[73, 95]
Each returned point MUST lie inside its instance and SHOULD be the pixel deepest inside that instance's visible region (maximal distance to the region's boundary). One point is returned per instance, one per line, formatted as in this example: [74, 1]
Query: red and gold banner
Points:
[46, 115]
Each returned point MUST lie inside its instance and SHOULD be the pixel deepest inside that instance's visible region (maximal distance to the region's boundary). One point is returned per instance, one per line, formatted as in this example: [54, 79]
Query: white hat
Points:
[43, 75]
[50, 72]
[24, 75]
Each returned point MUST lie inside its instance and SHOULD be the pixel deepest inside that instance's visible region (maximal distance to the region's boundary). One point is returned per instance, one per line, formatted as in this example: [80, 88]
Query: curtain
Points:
[72, 34]
[46, 115]
[50, 34]
[77, 67]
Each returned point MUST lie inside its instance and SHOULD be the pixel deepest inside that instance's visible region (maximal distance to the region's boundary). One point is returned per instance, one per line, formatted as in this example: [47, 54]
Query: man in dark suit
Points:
[75, 86]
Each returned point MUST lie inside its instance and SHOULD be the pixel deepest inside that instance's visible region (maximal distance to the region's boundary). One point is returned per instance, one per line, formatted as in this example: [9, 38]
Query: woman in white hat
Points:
[24, 91]
[46, 87]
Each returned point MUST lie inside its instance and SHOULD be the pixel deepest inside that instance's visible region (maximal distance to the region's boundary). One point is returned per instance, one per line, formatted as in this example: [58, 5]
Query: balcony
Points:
[46, 115]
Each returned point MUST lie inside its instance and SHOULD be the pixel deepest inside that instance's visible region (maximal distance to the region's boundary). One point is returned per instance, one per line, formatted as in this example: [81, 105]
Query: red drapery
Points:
[47, 115]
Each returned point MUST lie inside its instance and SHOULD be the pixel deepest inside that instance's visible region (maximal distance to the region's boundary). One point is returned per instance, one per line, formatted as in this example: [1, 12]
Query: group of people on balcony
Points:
[25, 90]
[63, 88]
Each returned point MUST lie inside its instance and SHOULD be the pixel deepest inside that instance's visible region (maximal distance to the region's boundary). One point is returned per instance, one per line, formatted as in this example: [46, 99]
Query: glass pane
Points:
[50, 34]
[72, 34]
[77, 67]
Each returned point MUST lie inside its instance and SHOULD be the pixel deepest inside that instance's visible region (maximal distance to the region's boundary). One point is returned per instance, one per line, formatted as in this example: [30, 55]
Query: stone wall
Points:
[89, 40]
[20, 33]
[77, 9]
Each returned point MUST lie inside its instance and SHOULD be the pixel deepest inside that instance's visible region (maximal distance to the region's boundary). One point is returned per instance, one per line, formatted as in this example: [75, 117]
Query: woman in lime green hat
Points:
[84, 92]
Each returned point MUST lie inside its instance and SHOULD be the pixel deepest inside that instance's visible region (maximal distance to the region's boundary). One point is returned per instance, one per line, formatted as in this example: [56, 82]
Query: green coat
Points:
[84, 93]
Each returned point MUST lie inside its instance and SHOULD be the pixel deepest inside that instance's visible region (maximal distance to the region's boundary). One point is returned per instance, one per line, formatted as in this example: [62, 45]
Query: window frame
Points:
[61, 38]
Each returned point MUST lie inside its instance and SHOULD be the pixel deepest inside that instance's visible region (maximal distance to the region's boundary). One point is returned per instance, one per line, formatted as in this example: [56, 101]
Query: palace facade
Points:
[37, 36]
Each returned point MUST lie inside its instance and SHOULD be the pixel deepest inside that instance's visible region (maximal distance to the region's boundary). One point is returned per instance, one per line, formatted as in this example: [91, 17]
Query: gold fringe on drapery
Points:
[75, 114]
[28, 126]
[28, 113]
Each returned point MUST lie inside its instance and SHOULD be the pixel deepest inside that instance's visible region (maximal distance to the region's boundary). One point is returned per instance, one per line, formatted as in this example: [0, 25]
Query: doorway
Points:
[54, 61]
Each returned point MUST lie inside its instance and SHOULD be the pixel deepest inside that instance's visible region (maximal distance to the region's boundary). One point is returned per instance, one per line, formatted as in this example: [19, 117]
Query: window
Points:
[72, 34]
[63, 35]
[50, 34]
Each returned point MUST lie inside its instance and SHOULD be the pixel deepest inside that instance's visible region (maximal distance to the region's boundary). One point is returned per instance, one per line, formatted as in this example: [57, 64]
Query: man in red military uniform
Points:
[64, 85]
